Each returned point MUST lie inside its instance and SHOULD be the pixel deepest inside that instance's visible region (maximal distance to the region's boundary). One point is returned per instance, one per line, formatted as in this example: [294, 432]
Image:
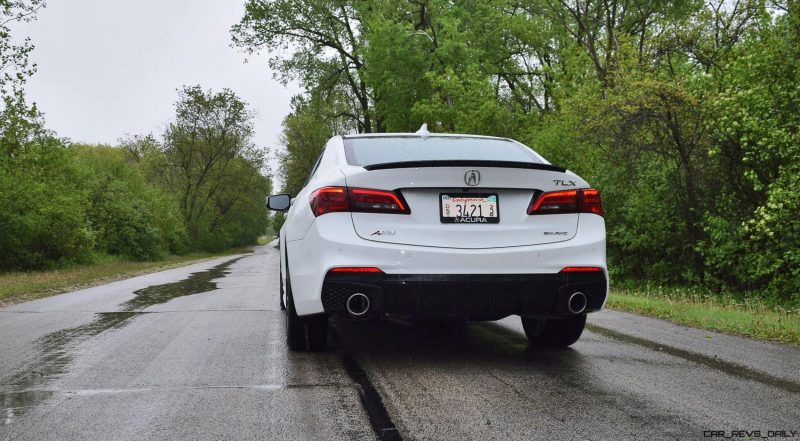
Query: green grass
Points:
[263, 240]
[20, 286]
[749, 318]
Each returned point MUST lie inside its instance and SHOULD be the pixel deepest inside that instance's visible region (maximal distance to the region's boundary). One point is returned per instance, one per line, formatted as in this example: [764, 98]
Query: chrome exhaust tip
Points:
[577, 302]
[357, 305]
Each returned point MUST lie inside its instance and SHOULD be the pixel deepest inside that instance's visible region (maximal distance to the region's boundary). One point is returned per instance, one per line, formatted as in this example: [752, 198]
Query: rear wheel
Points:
[280, 291]
[304, 333]
[554, 333]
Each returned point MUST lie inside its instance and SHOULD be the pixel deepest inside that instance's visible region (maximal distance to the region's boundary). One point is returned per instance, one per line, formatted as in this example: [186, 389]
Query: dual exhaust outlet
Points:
[358, 304]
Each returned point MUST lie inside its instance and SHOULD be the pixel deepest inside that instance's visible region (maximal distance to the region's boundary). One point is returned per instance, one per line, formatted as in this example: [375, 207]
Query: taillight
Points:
[329, 200]
[377, 201]
[360, 200]
[555, 202]
[590, 201]
[568, 201]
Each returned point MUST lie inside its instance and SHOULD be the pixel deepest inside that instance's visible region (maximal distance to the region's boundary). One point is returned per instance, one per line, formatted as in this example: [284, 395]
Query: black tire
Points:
[304, 333]
[554, 333]
[316, 332]
[280, 291]
[295, 331]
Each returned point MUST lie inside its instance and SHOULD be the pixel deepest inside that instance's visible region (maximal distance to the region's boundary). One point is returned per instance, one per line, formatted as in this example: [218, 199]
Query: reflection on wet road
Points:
[56, 350]
[199, 353]
[21, 390]
[485, 382]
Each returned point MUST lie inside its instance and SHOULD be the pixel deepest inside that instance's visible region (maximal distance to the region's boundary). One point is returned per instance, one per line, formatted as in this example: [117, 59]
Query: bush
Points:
[62, 204]
[130, 218]
[43, 218]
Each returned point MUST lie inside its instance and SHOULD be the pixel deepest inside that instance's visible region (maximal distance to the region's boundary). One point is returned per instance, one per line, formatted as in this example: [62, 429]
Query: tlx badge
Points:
[564, 183]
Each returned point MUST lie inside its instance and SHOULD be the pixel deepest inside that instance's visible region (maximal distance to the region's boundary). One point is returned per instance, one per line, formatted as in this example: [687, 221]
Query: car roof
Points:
[422, 135]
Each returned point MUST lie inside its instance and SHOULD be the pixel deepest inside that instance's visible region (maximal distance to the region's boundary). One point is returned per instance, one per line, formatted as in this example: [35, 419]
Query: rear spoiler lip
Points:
[465, 163]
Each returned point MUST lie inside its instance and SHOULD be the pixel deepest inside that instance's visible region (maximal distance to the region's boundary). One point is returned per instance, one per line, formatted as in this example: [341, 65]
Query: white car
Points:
[441, 227]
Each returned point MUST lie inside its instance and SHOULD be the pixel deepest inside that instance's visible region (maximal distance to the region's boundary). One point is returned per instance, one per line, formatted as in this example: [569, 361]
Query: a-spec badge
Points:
[472, 177]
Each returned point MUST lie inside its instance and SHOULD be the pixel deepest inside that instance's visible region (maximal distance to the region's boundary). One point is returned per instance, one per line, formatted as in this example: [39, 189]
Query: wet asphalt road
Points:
[198, 353]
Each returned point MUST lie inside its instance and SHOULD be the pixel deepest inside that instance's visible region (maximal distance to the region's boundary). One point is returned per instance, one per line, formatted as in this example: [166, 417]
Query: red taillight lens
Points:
[590, 202]
[361, 200]
[376, 201]
[329, 200]
[555, 202]
[581, 269]
[569, 201]
[356, 269]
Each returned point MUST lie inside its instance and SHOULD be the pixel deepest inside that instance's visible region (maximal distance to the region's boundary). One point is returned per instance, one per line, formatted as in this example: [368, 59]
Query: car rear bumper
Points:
[532, 270]
[464, 296]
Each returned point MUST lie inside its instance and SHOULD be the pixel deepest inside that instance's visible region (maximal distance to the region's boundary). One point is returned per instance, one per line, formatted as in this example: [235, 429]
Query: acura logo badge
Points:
[472, 177]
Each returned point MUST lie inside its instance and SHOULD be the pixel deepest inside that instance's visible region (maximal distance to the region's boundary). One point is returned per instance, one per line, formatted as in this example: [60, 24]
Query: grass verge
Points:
[263, 240]
[749, 318]
[21, 286]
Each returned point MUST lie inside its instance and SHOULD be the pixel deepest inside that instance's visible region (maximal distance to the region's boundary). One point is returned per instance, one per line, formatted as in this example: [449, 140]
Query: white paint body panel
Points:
[421, 188]
[423, 245]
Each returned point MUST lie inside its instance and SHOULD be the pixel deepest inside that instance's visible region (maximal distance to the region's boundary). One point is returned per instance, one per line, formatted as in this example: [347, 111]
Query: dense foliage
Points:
[685, 114]
[202, 188]
[209, 162]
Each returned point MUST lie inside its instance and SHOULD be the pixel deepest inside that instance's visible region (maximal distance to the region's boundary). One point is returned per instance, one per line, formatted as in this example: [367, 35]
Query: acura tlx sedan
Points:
[425, 227]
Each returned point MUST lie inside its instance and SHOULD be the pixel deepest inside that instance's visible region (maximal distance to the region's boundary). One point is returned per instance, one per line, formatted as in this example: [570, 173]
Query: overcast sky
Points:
[111, 67]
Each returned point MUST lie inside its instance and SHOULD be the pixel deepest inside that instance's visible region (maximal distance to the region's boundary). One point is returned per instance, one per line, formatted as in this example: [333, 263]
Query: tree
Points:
[305, 132]
[651, 135]
[754, 232]
[128, 216]
[19, 121]
[212, 164]
[43, 214]
[325, 45]
[600, 27]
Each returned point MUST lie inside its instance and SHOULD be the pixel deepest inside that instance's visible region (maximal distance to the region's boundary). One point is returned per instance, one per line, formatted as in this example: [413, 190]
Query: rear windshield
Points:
[383, 150]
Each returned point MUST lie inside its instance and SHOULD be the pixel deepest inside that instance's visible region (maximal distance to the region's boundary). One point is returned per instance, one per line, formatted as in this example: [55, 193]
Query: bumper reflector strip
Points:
[581, 269]
[356, 269]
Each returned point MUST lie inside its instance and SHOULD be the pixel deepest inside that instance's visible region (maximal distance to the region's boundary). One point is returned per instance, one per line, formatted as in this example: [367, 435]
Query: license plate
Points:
[469, 208]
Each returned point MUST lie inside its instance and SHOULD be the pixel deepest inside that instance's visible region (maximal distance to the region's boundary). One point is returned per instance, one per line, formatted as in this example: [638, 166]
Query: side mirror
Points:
[279, 202]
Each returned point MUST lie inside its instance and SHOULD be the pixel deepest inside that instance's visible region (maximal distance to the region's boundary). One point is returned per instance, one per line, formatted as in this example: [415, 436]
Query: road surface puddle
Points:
[56, 351]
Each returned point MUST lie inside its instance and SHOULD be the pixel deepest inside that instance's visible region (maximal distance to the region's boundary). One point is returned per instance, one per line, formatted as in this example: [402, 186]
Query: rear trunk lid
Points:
[422, 187]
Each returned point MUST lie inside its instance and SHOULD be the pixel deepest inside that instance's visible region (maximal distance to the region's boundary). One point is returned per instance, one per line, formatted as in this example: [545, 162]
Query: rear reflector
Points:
[360, 200]
[581, 269]
[356, 269]
[569, 201]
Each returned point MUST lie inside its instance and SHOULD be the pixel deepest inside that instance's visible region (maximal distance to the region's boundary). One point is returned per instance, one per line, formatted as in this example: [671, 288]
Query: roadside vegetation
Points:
[684, 114]
[201, 189]
[713, 311]
[21, 286]
[198, 187]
